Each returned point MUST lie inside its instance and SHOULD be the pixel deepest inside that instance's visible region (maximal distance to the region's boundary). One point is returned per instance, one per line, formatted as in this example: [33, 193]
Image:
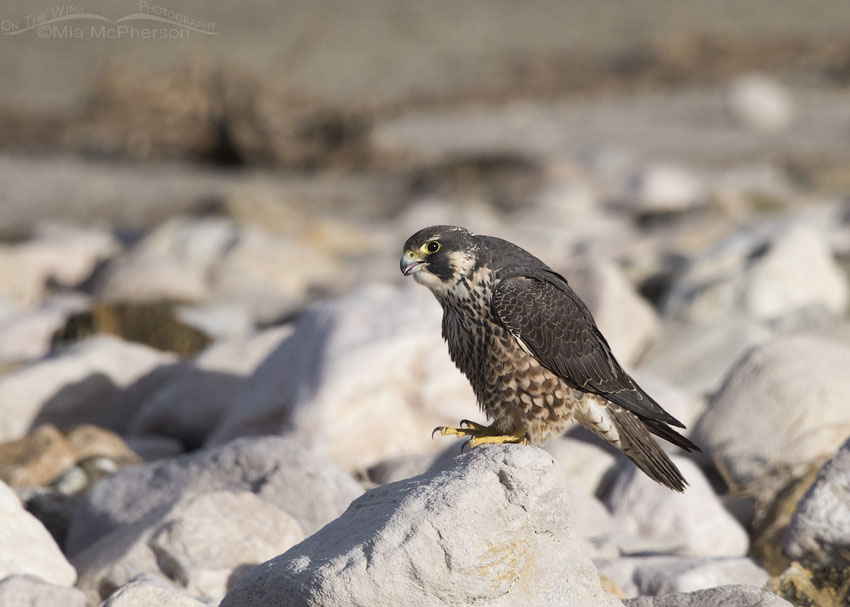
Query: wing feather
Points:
[543, 313]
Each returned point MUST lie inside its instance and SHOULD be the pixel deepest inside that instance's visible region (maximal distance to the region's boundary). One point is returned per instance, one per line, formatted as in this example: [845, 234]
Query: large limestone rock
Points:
[363, 378]
[26, 547]
[782, 407]
[202, 543]
[491, 527]
[79, 385]
[307, 486]
[653, 518]
[819, 532]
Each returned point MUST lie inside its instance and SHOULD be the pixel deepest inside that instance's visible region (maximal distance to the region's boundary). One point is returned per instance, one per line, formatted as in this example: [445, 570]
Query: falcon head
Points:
[439, 256]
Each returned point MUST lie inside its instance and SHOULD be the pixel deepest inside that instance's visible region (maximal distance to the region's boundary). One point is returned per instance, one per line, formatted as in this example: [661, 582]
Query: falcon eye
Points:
[432, 247]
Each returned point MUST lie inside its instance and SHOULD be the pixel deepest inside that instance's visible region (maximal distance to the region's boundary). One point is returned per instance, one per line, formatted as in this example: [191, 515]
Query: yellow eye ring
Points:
[431, 246]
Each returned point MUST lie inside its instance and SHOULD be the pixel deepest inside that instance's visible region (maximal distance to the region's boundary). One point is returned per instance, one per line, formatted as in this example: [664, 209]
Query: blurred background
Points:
[185, 174]
[335, 129]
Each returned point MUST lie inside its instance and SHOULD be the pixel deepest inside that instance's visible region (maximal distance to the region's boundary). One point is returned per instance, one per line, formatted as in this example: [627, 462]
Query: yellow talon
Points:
[482, 435]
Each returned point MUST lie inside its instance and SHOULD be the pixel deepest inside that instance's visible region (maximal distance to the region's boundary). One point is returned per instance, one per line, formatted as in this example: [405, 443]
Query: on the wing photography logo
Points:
[73, 22]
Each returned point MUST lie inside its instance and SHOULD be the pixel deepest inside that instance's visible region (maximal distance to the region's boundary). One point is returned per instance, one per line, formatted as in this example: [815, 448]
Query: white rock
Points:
[626, 319]
[28, 333]
[26, 547]
[760, 272]
[725, 596]
[252, 274]
[791, 391]
[151, 591]
[797, 271]
[175, 261]
[696, 357]
[21, 279]
[694, 522]
[65, 255]
[363, 378]
[492, 528]
[588, 467]
[241, 354]
[665, 189]
[760, 103]
[76, 385]
[819, 532]
[310, 488]
[218, 320]
[202, 542]
[651, 575]
[30, 591]
[68, 254]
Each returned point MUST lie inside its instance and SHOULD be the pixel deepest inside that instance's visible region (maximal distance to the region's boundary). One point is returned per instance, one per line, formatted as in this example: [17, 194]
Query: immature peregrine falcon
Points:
[532, 352]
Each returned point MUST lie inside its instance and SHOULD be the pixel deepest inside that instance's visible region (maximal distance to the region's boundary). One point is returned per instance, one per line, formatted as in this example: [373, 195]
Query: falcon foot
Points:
[482, 435]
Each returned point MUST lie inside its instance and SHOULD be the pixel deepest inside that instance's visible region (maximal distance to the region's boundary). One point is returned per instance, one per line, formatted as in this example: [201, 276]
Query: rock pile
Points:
[284, 456]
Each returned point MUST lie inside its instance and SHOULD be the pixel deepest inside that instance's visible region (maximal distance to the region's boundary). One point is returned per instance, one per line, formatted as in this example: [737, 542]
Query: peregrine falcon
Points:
[532, 351]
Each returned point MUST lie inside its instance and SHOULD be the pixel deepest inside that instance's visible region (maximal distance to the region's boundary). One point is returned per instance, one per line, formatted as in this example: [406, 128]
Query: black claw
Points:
[465, 422]
[527, 438]
[435, 430]
[465, 445]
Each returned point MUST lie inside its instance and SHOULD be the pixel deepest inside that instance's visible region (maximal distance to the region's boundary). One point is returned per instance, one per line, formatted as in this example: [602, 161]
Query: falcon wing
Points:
[550, 322]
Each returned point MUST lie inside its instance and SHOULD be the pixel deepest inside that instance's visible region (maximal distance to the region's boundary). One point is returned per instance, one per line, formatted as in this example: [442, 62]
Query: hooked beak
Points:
[410, 263]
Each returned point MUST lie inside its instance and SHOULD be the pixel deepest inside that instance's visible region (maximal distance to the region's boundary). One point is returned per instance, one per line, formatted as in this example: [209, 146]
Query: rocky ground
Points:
[217, 388]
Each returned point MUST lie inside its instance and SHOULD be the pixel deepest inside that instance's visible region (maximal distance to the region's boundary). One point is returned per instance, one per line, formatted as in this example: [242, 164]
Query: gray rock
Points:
[492, 527]
[190, 403]
[151, 591]
[653, 518]
[819, 532]
[27, 547]
[31, 591]
[725, 596]
[203, 542]
[241, 354]
[760, 103]
[697, 357]
[652, 575]
[782, 408]
[304, 484]
[187, 406]
[76, 386]
[399, 468]
[363, 378]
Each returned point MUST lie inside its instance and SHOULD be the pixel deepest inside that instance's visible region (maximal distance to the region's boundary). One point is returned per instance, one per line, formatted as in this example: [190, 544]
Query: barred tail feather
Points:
[639, 446]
